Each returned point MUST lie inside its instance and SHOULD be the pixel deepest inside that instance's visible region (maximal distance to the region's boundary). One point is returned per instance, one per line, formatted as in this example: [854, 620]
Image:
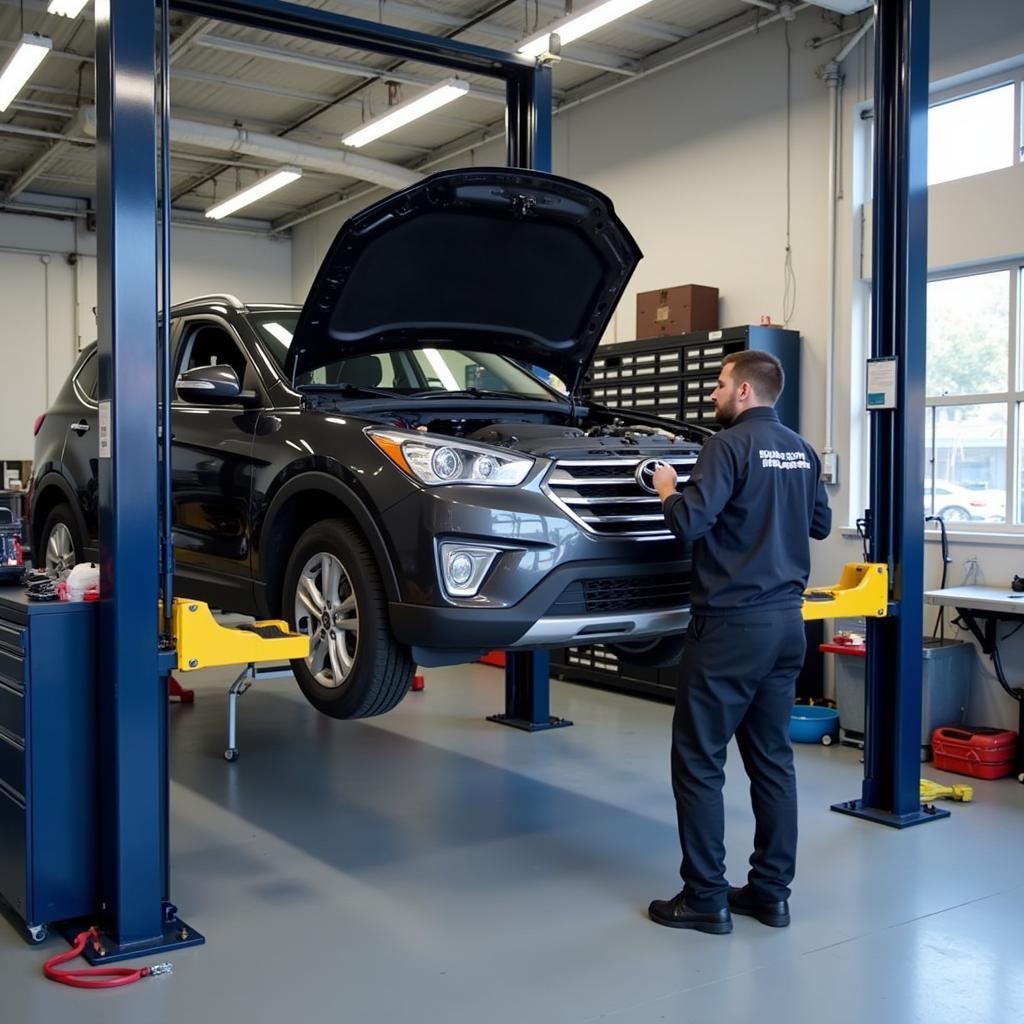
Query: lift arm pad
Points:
[862, 590]
[203, 642]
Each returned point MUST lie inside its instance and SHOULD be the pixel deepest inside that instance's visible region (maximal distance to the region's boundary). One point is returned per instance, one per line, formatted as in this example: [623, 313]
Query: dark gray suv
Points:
[389, 468]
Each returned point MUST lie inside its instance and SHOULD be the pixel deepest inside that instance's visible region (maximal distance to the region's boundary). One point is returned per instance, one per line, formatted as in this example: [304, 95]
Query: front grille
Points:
[604, 497]
[623, 594]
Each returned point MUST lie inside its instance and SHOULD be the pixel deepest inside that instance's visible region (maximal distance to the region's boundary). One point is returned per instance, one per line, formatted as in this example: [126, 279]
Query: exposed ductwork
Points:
[279, 150]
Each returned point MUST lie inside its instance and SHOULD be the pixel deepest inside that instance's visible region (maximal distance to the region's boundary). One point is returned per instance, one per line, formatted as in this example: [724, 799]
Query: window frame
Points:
[957, 87]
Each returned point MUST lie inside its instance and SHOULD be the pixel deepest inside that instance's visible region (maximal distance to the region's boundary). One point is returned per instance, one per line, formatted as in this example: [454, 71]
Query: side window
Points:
[207, 344]
[88, 376]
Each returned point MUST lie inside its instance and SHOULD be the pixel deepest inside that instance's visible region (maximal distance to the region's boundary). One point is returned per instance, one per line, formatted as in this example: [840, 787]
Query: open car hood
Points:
[516, 262]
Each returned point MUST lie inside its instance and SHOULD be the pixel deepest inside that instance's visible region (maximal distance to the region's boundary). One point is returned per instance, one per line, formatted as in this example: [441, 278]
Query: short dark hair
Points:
[761, 370]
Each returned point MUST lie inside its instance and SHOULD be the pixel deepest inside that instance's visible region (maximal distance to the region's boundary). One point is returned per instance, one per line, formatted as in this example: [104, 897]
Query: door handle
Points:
[81, 427]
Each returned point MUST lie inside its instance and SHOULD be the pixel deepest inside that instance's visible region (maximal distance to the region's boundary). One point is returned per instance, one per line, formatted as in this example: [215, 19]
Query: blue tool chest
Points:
[48, 758]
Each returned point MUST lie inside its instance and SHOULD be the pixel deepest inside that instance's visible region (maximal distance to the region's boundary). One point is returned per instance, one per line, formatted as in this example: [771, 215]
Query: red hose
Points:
[96, 977]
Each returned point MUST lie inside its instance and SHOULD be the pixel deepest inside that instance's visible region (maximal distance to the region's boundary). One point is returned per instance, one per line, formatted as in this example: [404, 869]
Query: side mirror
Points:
[209, 385]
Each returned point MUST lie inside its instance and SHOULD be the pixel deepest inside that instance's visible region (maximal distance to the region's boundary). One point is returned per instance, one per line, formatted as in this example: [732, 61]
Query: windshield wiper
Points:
[479, 393]
[350, 390]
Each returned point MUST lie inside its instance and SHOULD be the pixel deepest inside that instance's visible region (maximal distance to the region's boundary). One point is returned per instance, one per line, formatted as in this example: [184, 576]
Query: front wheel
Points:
[334, 594]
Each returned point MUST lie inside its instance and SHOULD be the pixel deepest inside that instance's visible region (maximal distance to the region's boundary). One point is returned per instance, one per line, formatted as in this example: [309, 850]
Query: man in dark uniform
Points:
[751, 504]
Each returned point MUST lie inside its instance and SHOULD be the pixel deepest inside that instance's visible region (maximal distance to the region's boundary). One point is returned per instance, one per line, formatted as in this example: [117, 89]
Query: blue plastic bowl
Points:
[813, 724]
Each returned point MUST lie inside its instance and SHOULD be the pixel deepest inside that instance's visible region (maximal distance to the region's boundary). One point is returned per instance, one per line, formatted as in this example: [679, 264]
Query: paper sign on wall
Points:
[881, 383]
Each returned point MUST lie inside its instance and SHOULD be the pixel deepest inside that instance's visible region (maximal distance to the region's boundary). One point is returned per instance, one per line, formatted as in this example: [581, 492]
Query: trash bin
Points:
[946, 679]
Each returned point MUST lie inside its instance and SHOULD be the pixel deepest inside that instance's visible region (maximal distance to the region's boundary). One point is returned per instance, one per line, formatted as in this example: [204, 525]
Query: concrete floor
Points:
[428, 866]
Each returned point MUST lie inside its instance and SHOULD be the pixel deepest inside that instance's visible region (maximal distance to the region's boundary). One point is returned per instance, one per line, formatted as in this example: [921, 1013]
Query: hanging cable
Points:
[940, 619]
[788, 275]
[97, 977]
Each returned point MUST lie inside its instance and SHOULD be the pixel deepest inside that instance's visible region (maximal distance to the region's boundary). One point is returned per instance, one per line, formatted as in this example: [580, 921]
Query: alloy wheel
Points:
[326, 611]
[60, 550]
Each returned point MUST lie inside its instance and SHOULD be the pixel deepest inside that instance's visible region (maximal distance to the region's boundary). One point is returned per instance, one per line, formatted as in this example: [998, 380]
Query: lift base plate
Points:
[113, 951]
[857, 809]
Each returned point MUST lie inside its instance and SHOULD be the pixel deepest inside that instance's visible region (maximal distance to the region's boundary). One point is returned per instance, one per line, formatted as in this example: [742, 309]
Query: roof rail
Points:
[225, 297]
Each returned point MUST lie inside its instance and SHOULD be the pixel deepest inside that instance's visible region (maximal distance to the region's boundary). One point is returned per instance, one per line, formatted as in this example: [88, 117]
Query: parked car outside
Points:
[956, 503]
[380, 470]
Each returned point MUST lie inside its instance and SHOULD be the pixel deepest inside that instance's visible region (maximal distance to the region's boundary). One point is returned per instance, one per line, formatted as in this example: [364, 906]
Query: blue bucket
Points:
[813, 723]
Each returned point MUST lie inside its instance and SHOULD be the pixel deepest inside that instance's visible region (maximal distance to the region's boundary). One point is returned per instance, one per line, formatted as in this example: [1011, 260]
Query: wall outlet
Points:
[829, 467]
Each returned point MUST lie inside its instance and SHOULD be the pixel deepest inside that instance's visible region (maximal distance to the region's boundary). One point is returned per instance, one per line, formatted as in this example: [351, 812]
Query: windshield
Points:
[420, 372]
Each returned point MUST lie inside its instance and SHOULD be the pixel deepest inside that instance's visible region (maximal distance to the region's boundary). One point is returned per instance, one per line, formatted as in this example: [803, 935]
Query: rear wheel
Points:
[60, 543]
[333, 593]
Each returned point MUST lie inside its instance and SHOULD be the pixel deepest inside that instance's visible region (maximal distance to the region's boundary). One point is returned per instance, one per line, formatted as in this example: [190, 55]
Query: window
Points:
[971, 134]
[210, 344]
[86, 379]
[974, 397]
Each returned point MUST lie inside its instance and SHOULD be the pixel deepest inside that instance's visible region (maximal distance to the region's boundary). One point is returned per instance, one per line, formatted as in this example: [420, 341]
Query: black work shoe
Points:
[773, 914]
[675, 913]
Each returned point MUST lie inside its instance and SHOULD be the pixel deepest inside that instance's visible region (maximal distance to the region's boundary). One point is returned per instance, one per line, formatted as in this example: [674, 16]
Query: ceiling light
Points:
[20, 66]
[579, 24]
[262, 188]
[410, 110]
[67, 8]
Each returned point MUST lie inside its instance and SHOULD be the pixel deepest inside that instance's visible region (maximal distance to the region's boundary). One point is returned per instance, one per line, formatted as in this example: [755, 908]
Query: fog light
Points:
[460, 568]
[463, 567]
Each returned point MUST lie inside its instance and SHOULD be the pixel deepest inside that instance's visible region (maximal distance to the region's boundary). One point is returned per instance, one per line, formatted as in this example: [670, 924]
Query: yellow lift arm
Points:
[203, 643]
[862, 590]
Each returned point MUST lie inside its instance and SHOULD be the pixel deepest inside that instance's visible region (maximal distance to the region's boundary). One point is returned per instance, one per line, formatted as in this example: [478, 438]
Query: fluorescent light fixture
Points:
[580, 24]
[263, 187]
[448, 90]
[20, 66]
[67, 8]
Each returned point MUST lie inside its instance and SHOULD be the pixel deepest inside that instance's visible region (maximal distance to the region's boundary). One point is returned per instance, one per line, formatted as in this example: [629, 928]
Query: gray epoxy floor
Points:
[428, 866]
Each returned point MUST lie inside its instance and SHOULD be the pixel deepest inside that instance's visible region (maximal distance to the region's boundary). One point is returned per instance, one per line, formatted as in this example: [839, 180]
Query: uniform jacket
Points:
[754, 497]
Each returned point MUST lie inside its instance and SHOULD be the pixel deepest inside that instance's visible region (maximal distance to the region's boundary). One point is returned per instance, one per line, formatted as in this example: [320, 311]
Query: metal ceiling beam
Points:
[585, 53]
[333, 65]
[281, 151]
[354, 33]
[249, 85]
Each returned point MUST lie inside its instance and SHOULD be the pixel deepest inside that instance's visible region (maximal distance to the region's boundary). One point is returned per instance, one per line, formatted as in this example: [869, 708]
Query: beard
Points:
[724, 414]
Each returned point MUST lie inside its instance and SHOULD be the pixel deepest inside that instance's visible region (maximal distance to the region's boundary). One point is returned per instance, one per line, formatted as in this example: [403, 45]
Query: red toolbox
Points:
[978, 751]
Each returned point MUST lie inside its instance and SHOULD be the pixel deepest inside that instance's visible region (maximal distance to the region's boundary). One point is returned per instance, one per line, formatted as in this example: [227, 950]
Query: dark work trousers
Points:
[737, 678]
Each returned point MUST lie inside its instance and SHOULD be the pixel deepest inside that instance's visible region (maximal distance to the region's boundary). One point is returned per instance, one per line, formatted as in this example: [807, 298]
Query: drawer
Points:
[12, 710]
[12, 763]
[13, 848]
[12, 665]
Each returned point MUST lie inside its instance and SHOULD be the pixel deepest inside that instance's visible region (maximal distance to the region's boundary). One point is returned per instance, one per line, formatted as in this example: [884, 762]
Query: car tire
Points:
[60, 543]
[658, 652]
[356, 669]
[955, 514]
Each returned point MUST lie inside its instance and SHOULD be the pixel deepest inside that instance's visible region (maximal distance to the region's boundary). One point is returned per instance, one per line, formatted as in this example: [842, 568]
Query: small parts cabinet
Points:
[48, 759]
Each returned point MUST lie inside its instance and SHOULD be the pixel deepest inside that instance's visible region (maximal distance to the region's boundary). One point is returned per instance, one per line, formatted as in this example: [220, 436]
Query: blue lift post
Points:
[137, 916]
[892, 738]
[528, 134]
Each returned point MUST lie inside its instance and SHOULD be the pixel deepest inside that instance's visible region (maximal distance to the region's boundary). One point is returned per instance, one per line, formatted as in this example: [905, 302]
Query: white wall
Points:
[48, 293]
[694, 159]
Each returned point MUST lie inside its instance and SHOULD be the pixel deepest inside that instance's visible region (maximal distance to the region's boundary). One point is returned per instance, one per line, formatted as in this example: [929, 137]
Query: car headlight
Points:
[435, 461]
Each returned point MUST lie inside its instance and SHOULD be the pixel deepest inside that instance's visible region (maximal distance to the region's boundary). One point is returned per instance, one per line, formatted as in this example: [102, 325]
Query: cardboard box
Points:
[687, 307]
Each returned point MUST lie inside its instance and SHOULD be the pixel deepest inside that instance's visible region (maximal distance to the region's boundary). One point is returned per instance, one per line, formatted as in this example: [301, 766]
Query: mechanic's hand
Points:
[664, 480]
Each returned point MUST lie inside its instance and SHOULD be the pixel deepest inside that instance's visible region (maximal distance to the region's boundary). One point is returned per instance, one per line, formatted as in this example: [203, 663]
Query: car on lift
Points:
[381, 468]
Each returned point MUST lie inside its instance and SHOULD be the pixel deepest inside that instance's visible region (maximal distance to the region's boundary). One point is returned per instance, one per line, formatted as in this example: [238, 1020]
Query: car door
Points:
[212, 472]
[81, 459]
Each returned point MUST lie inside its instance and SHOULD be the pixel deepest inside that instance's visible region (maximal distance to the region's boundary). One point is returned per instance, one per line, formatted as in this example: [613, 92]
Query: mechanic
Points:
[752, 502]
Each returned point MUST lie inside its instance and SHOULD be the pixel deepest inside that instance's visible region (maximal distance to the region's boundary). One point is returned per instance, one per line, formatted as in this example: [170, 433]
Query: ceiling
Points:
[282, 90]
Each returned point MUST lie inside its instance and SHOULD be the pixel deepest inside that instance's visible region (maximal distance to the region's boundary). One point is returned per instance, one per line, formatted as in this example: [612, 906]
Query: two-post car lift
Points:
[137, 914]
